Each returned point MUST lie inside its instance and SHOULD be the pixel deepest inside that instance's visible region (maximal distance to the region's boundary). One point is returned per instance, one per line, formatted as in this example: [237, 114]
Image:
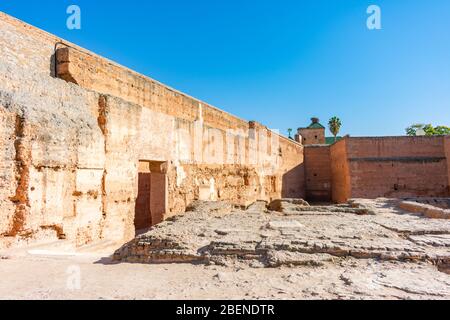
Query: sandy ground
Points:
[44, 277]
[383, 255]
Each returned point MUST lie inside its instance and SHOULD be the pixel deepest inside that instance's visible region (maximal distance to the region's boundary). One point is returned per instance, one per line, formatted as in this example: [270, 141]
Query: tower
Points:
[313, 134]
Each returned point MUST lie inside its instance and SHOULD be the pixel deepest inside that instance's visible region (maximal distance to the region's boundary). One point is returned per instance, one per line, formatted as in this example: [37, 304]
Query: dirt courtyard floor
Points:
[363, 250]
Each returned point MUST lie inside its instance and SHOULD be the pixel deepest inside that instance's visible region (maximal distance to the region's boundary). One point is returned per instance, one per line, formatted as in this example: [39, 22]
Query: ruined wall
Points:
[51, 183]
[397, 167]
[292, 170]
[318, 173]
[8, 169]
[447, 155]
[241, 161]
[389, 167]
[70, 151]
[99, 74]
[340, 172]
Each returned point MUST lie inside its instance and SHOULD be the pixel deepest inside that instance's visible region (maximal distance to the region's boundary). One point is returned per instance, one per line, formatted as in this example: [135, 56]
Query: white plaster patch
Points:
[207, 192]
[181, 175]
[212, 189]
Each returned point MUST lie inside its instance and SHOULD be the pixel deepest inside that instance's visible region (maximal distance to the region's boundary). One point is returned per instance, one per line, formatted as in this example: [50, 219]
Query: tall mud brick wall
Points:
[318, 173]
[340, 172]
[390, 167]
[447, 155]
[78, 131]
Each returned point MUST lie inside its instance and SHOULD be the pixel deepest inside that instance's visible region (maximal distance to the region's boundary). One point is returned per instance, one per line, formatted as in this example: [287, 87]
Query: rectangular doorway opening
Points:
[151, 201]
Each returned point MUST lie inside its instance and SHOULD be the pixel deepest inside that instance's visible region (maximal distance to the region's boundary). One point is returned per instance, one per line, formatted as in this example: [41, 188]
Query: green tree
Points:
[428, 129]
[335, 125]
[442, 130]
[290, 133]
[412, 130]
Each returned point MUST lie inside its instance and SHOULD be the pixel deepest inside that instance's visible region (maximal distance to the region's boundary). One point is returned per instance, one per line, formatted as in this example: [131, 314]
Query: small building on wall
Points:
[372, 167]
[313, 134]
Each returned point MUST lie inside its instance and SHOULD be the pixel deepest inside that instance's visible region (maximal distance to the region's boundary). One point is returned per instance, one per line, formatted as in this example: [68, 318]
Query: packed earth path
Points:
[366, 249]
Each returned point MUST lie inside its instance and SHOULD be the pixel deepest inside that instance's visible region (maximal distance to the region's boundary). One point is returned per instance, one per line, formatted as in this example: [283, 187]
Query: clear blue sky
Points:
[277, 62]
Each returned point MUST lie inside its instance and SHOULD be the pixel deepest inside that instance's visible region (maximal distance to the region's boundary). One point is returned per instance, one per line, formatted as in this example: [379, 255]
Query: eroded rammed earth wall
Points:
[390, 167]
[340, 172]
[318, 173]
[70, 151]
[51, 182]
[447, 155]
[207, 147]
[372, 167]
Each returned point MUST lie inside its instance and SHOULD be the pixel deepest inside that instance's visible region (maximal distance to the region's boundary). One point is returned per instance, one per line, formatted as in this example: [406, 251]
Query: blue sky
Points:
[277, 62]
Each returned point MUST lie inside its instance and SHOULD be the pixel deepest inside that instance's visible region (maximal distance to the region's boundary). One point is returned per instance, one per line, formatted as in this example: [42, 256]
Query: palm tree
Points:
[335, 126]
[290, 133]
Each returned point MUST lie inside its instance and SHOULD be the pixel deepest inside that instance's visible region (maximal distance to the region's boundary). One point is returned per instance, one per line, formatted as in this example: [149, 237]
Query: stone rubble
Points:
[427, 210]
[296, 235]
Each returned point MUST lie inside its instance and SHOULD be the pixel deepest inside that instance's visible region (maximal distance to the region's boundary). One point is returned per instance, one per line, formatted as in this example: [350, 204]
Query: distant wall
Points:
[397, 167]
[447, 154]
[340, 172]
[318, 173]
[390, 167]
